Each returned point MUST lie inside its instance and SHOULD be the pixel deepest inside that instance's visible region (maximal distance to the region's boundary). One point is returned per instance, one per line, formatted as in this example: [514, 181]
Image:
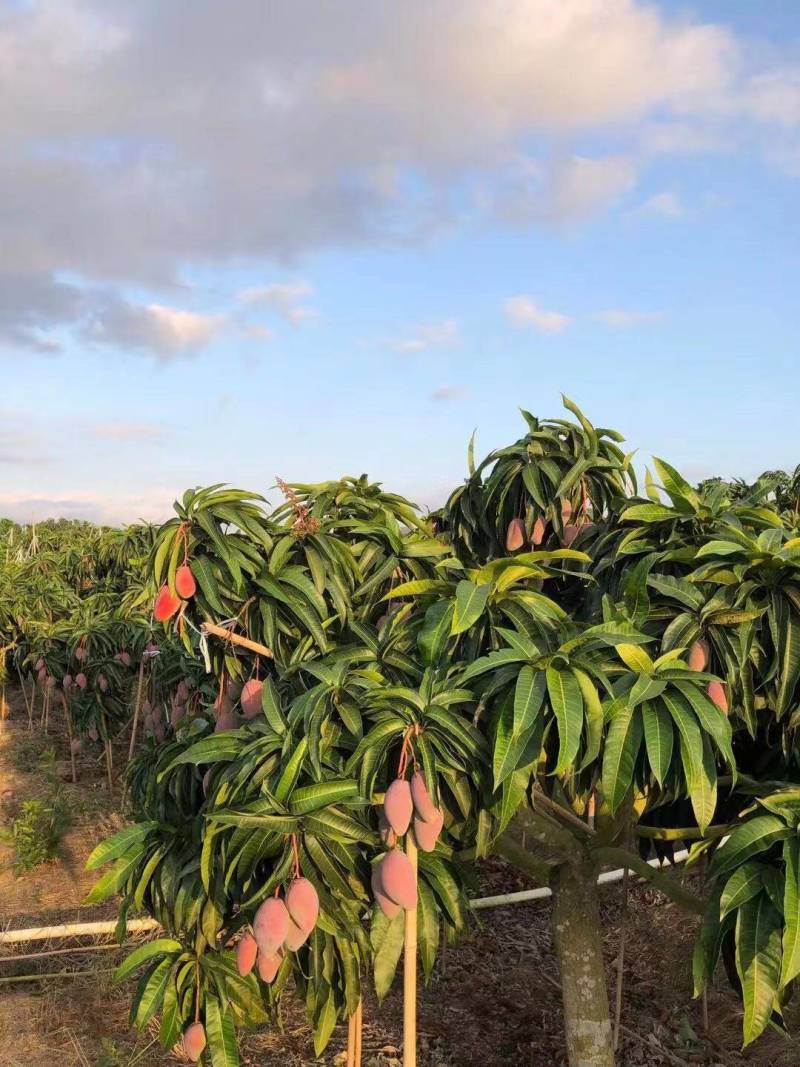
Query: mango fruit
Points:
[387, 906]
[185, 585]
[270, 926]
[251, 698]
[398, 807]
[246, 952]
[166, 604]
[515, 535]
[698, 655]
[268, 966]
[423, 805]
[426, 832]
[194, 1041]
[398, 881]
[719, 695]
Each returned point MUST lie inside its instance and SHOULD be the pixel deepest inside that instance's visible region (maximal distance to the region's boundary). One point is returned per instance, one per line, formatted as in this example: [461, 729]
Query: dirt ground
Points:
[493, 1000]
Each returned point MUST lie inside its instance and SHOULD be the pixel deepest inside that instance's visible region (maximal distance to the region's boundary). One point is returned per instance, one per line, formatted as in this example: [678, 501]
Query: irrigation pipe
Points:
[135, 926]
[539, 894]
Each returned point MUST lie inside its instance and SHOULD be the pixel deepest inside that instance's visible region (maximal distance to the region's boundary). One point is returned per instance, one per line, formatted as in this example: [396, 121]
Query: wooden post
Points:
[27, 702]
[410, 971]
[351, 1041]
[68, 717]
[359, 1031]
[136, 709]
[236, 639]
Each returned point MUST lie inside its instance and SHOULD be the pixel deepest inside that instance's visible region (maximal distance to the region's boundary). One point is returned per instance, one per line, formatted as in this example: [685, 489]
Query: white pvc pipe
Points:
[134, 926]
[539, 894]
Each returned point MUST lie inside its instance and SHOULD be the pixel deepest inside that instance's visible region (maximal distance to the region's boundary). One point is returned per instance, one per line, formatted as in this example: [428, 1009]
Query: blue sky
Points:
[318, 246]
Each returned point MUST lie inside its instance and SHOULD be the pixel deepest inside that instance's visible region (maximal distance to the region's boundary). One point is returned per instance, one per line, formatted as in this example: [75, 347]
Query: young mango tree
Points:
[550, 668]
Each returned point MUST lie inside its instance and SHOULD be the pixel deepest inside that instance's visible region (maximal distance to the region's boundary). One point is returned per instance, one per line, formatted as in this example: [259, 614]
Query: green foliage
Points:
[560, 666]
[37, 831]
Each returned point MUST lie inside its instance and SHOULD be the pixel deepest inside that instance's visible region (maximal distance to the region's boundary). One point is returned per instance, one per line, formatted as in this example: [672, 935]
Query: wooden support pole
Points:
[137, 706]
[359, 1031]
[68, 717]
[236, 639]
[351, 1041]
[410, 971]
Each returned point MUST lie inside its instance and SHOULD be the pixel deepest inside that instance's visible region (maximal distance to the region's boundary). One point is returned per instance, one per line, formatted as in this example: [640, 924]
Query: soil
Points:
[493, 1000]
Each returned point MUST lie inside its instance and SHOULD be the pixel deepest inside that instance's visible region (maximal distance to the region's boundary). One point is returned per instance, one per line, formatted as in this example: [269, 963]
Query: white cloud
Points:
[667, 204]
[443, 334]
[258, 332]
[523, 312]
[619, 319]
[284, 299]
[580, 187]
[446, 393]
[175, 144]
[164, 332]
[137, 432]
[152, 506]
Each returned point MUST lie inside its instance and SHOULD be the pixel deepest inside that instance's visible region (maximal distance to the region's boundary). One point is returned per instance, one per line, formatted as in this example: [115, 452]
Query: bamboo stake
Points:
[410, 971]
[68, 717]
[27, 702]
[351, 1041]
[236, 639]
[136, 709]
[94, 929]
[359, 1027]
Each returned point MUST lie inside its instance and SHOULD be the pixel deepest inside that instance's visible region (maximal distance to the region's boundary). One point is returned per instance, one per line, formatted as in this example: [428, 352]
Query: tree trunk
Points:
[576, 935]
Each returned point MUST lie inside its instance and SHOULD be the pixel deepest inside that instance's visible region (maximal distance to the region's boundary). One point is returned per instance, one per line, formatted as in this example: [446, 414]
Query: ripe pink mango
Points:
[719, 695]
[102, 683]
[268, 966]
[49, 681]
[182, 691]
[125, 659]
[515, 535]
[296, 937]
[251, 698]
[223, 705]
[569, 535]
[387, 906]
[423, 805]
[539, 530]
[426, 833]
[177, 715]
[75, 746]
[159, 732]
[185, 585]
[166, 604]
[66, 683]
[398, 881]
[80, 680]
[41, 674]
[226, 721]
[698, 655]
[271, 925]
[398, 807]
[194, 1041]
[246, 952]
[80, 654]
[302, 903]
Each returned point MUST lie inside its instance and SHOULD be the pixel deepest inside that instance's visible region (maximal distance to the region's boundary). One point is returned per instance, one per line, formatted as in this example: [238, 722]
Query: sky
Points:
[243, 240]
